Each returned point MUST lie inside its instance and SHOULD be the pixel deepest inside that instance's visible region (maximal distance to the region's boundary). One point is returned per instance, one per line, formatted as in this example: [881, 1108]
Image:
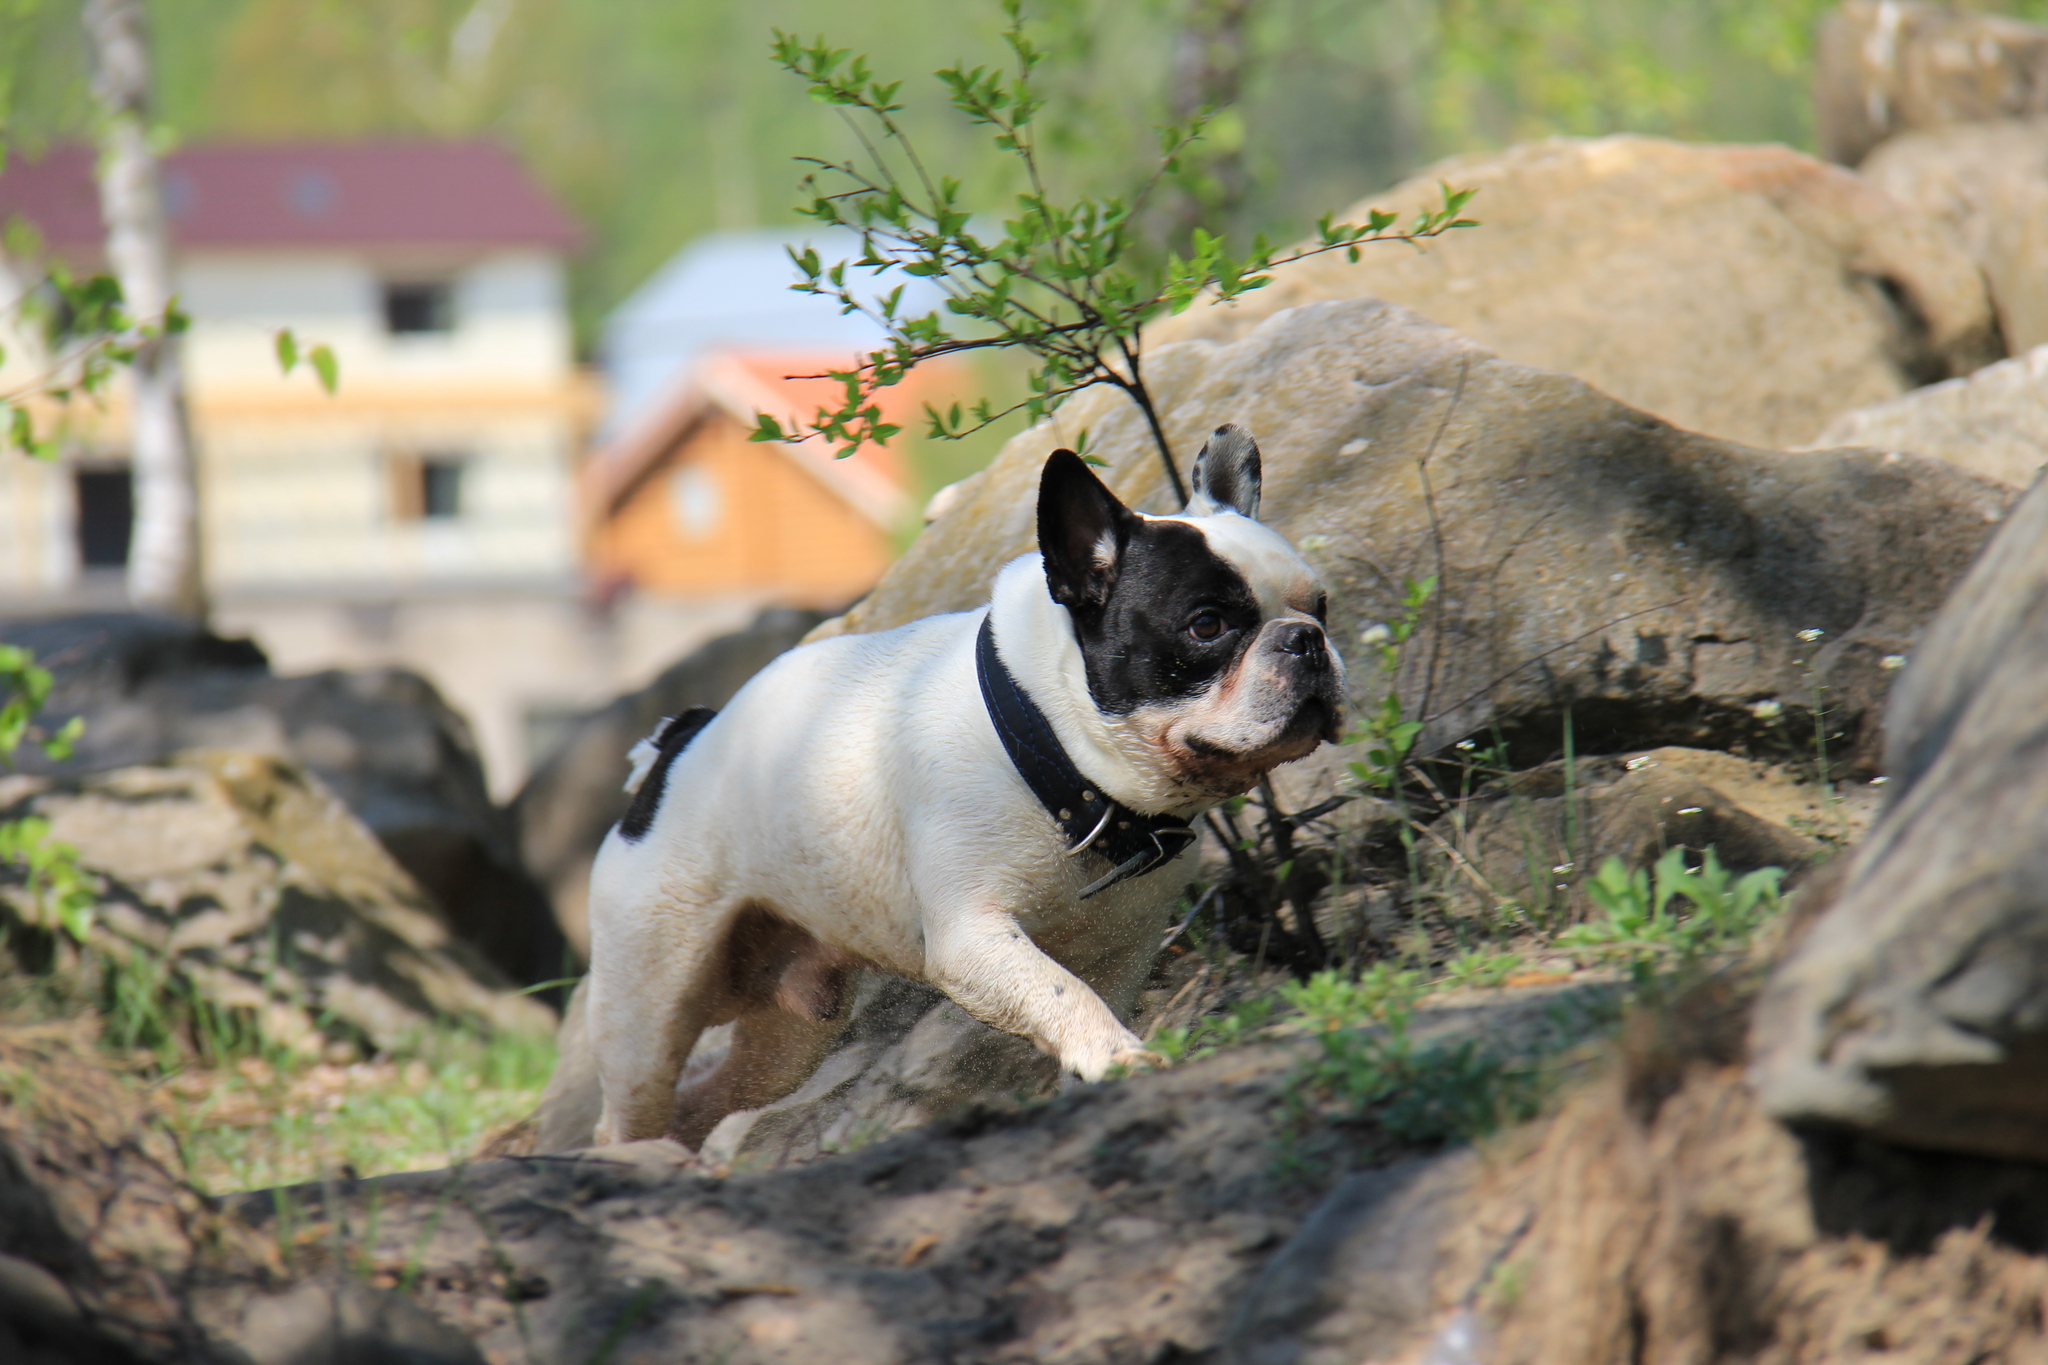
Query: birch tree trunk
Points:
[163, 552]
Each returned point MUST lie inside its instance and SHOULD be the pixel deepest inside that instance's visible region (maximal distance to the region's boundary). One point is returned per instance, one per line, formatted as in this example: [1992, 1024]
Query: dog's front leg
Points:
[984, 960]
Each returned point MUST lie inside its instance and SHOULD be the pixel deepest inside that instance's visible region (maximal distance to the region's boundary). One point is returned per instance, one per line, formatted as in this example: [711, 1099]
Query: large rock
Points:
[1916, 1007]
[237, 877]
[381, 739]
[1892, 66]
[572, 799]
[1988, 182]
[1749, 292]
[1655, 581]
[1994, 423]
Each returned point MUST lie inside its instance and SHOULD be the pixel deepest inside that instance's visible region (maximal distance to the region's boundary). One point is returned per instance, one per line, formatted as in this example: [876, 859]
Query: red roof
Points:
[307, 194]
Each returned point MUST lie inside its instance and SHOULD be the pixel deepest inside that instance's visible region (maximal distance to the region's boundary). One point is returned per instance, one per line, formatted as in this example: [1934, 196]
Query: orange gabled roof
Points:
[789, 386]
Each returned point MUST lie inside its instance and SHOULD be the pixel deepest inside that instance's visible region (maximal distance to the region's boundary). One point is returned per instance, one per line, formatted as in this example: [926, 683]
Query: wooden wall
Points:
[777, 526]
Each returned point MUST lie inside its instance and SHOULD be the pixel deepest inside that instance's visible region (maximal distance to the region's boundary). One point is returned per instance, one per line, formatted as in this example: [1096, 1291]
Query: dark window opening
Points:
[440, 488]
[426, 487]
[106, 517]
[416, 309]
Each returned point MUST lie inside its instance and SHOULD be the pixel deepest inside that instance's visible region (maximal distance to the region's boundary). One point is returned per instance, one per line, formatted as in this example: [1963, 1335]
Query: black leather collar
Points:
[1090, 820]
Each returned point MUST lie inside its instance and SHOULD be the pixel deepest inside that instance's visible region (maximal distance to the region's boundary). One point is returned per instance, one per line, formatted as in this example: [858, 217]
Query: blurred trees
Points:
[661, 119]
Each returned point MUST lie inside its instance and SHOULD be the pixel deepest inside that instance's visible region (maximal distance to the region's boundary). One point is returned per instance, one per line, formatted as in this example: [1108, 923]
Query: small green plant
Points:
[87, 335]
[1643, 927]
[1212, 1034]
[1387, 727]
[57, 893]
[319, 357]
[1481, 970]
[1367, 1060]
[1063, 282]
[24, 687]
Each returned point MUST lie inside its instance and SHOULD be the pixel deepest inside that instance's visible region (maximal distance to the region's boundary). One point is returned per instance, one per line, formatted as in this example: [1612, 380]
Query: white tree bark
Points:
[164, 551]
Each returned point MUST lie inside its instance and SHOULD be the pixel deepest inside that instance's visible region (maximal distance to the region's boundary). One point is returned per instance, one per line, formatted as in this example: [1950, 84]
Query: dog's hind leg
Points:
[649, 998]
[792, 991]
[773, 1052]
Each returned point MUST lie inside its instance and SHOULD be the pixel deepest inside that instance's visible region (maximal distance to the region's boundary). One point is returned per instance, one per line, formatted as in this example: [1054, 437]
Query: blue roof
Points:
[732, 288]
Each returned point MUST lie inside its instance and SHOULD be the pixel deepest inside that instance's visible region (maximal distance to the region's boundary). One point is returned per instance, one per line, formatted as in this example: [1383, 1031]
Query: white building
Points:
[424, 514]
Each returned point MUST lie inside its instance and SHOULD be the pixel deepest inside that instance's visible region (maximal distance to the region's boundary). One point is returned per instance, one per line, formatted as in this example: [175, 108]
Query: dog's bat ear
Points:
[1081, 532]
[1227, 474]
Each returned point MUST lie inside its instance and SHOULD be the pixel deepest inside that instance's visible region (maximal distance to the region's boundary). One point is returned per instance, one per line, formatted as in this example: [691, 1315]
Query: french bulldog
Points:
[999, 802]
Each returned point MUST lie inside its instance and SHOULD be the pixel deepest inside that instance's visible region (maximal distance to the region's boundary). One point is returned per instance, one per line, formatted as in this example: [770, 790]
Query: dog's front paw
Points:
[1118, 1057]
[1134, 1059]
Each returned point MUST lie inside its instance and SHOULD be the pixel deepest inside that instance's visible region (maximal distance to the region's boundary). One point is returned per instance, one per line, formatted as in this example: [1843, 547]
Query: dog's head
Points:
[1203, 632]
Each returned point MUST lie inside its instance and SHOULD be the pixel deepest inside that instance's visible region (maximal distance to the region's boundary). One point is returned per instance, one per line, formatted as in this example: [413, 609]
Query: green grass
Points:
[276, 1120]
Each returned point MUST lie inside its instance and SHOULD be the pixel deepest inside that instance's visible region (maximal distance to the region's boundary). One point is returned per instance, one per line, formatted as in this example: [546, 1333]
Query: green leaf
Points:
[60, 745]
[326, 366]
[287, 350]
[75, 914]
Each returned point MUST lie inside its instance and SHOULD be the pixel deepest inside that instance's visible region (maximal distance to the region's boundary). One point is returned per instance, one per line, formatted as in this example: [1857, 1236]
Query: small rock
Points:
[208, 865]
[1994, 423]
[1892, 66]
[399, 756]
[1989, 182]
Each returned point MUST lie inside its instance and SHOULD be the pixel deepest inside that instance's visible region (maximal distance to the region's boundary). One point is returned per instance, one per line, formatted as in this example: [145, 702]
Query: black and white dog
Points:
[998, 802]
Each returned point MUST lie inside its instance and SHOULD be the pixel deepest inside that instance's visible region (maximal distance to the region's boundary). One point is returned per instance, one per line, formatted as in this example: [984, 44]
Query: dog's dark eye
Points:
[1207, 625]
[1321, 609]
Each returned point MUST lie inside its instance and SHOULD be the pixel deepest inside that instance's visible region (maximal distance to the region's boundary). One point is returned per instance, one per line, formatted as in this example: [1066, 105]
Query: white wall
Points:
[302, 502]
[296, 486]
[511, 323]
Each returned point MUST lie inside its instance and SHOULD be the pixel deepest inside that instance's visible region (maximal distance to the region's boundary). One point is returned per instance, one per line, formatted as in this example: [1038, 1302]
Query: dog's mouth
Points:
[1220, 768]
[1317, 716]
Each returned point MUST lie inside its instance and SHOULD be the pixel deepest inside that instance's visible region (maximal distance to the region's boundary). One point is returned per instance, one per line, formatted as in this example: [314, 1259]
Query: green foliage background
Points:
[661, 119]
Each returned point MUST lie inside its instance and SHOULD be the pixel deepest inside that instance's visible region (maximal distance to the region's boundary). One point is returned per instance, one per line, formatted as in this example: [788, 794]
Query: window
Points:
[419, 308]
[426, 487]
[695, 500]
[106, 516]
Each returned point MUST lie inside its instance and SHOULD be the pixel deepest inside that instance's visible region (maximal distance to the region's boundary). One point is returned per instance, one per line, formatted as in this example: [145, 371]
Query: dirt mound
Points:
[1669, 1219]
[108, 1256]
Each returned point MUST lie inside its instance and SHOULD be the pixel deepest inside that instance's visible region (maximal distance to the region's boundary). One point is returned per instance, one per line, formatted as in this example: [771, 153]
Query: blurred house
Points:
[684, 502]
[435, 273]
[421, 516]
[677, 500]
[731, 290]
[431, 514]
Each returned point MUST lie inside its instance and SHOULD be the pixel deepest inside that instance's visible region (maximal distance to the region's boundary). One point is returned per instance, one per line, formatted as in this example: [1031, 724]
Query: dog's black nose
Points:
[1299, 637]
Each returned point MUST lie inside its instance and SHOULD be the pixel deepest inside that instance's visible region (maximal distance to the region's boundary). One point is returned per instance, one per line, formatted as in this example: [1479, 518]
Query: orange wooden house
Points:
[685, 504]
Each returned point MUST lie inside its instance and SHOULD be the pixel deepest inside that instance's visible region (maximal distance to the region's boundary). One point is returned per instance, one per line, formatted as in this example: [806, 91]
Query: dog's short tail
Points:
[669, 738]
[650, 759]
[642, 756]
